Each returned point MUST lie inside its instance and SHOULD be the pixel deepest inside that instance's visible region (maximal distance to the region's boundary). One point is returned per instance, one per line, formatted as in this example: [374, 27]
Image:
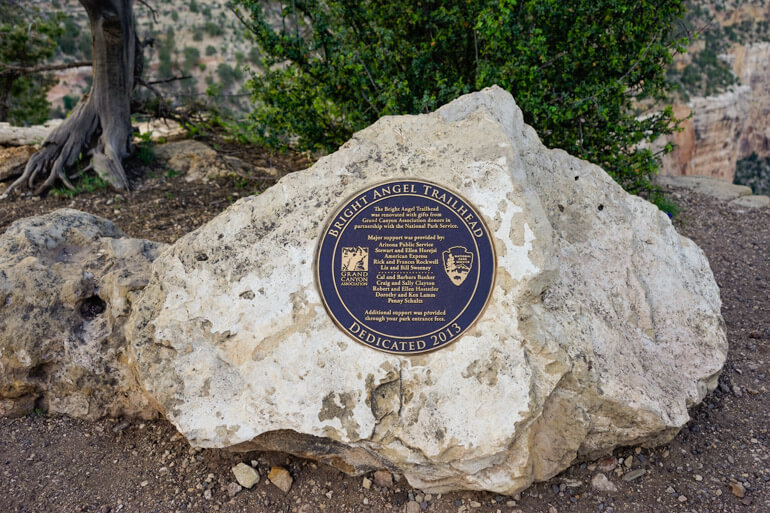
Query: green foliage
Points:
[145, 150]
[578, 69]
[706, 74]
[88, 182]
[210, 50]
[167, 46]
[214, 29]
[754, 172]
[191, 57]
[228, 75]
[28, 40]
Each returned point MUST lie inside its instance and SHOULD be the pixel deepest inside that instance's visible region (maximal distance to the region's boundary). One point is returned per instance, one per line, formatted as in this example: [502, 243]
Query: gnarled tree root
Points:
[100, 125]
[81, 133]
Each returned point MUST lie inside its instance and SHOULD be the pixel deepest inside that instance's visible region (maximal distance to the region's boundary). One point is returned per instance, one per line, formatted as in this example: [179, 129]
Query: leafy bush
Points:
[191, 57]
[214, 29]
[577, 69]
[754, 172]
[28, 38]
[210, 50]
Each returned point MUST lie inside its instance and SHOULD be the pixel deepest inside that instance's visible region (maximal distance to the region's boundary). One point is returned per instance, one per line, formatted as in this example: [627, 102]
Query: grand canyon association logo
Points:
[355, 259]
[458, 262]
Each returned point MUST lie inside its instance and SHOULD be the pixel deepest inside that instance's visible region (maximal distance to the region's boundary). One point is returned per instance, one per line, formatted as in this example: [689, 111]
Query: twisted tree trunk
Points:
[100, 125]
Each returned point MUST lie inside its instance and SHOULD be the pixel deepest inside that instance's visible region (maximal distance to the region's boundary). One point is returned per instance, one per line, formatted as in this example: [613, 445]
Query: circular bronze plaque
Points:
[405, 266]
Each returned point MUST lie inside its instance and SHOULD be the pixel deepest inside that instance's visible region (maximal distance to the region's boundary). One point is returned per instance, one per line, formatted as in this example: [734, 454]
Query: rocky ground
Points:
[719, 462]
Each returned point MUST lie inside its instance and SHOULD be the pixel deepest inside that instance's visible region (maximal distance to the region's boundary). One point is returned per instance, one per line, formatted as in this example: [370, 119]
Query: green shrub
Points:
[754, 172]
[577, 69]
[191, 57]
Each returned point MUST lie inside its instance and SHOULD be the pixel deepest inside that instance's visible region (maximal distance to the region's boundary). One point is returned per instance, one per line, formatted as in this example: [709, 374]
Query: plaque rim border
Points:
[333, 215]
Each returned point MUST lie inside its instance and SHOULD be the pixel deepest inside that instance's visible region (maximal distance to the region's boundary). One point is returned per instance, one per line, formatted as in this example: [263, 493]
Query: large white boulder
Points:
[602, 329]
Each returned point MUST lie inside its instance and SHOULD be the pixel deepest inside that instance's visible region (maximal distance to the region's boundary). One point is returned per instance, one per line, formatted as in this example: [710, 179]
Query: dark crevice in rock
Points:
[92, 307]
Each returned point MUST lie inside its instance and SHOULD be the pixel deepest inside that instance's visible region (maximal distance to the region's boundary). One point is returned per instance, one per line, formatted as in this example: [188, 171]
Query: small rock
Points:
[245, 475]
[607, 464]
[572, 483]
[670, 490]
[207, 494]
[367, 483]
[412, 507]
[281, 478]
[738, 489]
[602, 484]
[682, 498]
[698, 477]
[628, 462]
[383, 479]
[475, 504]
[233, 489]
[634, 474]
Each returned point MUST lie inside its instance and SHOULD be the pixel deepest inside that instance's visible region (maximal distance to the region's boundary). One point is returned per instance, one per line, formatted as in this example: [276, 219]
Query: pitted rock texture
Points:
[67, 280]
[603, 328]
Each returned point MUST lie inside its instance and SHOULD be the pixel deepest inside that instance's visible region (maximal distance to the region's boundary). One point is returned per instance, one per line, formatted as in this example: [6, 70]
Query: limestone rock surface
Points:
[11, 135]
[604, 325]
[199, 162]
[67, 280]
[13, 160]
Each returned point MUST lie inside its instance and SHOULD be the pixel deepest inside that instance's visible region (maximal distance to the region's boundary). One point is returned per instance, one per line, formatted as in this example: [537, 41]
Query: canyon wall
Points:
[730, 126]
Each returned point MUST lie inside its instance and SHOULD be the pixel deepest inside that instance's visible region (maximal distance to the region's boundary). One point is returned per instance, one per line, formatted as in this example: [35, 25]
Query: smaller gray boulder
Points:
[67, 280]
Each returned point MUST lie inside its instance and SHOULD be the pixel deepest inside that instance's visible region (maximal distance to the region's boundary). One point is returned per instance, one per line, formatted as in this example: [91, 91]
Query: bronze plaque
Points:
[405, 266]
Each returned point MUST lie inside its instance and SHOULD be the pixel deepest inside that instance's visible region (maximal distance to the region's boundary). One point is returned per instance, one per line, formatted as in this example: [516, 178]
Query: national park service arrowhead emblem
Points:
[458, 262]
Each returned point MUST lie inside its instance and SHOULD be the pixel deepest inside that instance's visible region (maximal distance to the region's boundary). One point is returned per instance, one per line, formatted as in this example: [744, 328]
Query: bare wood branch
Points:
[9, 69]
[153, 11]
[172, 79]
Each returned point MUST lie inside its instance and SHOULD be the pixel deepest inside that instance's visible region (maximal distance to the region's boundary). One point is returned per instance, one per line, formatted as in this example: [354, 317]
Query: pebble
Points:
[602, 484]
[207, 495]
[634, 474]
[607, 464]
[233, 489]
[367, 483]
[738, 489]
[682, 498]
[246, 476]
[628, 462]
[475, 504]
[281, 478]
[383, 479]
[413, 507]
[698, 477]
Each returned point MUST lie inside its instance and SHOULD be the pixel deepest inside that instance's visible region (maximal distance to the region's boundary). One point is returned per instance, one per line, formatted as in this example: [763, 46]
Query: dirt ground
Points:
[718, 462]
